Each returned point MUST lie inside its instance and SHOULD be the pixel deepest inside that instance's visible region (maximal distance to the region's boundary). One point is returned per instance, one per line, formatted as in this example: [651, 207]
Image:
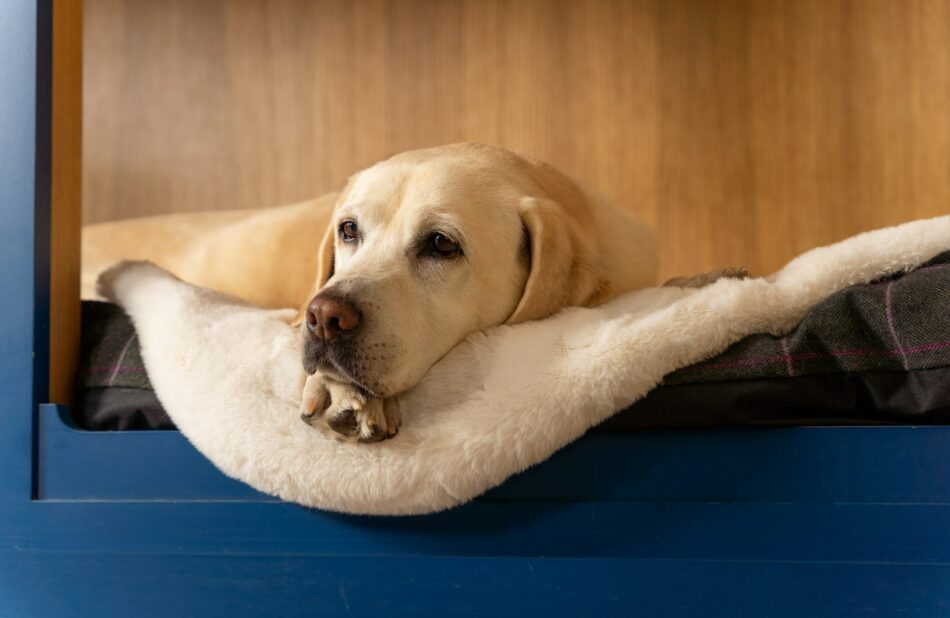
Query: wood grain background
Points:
[65, 197]
[744, 131]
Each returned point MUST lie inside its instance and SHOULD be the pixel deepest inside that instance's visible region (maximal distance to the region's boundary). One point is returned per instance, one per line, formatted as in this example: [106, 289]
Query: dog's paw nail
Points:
[374, 433]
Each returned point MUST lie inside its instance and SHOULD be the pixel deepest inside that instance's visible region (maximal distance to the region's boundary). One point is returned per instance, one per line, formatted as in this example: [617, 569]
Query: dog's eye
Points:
[441, 245]
[348, 231]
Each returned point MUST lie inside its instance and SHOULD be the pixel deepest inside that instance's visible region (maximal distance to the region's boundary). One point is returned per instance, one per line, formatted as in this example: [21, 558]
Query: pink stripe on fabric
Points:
[778, 358]
[788, 358]
[118, 363]
[890, 324]
[115, 368]
[928, 346]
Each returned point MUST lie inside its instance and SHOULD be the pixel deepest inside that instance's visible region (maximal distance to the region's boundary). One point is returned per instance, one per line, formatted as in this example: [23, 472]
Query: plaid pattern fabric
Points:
[899, 323]
[109, 354]
[895, 324]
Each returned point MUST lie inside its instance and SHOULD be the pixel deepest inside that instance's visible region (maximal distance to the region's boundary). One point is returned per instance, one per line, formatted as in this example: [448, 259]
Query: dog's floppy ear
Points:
[563, 262]
[324, 270]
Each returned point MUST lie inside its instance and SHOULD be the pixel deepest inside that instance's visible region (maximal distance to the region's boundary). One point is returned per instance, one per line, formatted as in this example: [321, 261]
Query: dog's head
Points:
[432, 245]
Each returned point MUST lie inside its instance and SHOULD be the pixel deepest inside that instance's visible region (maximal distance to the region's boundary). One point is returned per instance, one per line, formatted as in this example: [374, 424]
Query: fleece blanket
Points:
[229, 375]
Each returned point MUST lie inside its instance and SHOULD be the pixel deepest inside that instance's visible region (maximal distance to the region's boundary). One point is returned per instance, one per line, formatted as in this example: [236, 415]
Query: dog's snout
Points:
[327, 317]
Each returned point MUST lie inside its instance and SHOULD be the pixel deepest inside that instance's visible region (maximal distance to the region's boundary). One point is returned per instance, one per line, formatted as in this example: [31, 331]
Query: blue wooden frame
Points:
[782, 522]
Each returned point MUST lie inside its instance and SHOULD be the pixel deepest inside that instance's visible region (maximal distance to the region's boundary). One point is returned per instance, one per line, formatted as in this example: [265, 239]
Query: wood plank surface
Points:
[745, 131]
[65, 197]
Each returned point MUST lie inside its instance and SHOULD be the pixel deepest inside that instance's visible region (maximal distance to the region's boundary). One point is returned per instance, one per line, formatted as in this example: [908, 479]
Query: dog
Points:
[415, 254]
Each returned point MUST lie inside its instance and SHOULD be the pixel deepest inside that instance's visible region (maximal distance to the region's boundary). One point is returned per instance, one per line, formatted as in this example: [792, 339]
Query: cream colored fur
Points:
[414, 308]
[504, 399]
[268, 256]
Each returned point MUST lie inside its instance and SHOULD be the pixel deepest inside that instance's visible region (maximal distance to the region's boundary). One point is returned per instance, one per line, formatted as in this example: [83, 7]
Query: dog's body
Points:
[416, 253]
[266, 256]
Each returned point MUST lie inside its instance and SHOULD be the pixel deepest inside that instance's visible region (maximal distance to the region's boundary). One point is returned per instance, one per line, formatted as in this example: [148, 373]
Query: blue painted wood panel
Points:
[169, 585]
[73, 464]
[840, 464]
[906, 534]
[24, 192]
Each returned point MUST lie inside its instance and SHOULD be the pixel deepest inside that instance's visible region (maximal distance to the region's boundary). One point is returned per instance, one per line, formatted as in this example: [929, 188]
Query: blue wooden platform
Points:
[780, 522]
[783, 522]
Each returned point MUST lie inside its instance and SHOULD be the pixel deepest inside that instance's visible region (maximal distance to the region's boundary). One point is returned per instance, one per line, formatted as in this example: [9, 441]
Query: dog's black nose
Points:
[327, 317]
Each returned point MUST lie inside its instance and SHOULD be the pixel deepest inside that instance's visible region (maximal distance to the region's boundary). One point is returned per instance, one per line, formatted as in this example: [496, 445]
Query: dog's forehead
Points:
[375, 184]
[415, 190]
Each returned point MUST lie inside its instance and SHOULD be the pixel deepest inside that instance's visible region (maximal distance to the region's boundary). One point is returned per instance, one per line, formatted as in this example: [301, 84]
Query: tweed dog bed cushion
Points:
[229, 375]
[871, 353]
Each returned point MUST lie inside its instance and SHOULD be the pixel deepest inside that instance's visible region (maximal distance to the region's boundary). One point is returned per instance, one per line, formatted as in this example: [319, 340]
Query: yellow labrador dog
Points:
[416, 253]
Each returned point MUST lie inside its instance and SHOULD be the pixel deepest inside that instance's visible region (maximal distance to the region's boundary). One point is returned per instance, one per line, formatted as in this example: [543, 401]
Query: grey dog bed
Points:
[877, 353]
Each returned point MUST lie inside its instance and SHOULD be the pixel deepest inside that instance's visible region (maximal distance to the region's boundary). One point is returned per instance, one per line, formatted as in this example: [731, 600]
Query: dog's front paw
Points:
[315, 399]
[348, 412]
[358, 417]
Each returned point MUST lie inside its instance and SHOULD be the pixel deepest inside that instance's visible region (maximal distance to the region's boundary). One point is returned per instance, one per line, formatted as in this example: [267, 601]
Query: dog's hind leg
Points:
[704, 279]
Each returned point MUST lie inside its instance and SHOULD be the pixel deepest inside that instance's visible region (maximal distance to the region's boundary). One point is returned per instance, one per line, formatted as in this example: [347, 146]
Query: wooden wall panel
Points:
[746, 131]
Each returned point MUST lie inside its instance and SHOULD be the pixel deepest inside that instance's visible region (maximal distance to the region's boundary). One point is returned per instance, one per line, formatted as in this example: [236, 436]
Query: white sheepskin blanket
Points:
[230, 376]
